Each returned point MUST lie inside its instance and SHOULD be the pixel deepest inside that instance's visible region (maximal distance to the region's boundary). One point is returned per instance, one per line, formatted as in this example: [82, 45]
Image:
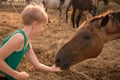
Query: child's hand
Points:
[22, 76]
[55, 69]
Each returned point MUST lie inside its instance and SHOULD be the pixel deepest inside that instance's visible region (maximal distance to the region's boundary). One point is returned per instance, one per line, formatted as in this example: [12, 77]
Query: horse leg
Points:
[67, 13]
[12, 6]
[27, 2]
[88, 15]
[78, 18]
[49, 21]
[93, 10]
[61, 3]
[72, 17]
[60, 16]
[0, 3]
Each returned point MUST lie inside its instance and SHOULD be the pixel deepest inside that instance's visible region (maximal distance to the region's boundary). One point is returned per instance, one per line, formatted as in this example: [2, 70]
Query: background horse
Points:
[84, 5]
[105, 2]
[10, 1]
[89, 39]
[60, 5]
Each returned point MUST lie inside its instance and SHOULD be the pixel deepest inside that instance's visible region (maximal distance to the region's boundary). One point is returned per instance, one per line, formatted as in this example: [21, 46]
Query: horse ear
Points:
[104, 21]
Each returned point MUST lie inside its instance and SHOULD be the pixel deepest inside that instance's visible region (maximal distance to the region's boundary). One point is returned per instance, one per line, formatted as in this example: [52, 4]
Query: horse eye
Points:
[86, 37]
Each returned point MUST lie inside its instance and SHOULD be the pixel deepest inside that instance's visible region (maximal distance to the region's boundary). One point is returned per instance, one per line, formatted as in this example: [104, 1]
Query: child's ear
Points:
[34, 24]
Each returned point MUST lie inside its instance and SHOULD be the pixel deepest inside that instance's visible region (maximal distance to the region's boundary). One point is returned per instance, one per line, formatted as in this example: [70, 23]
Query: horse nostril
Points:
[66, 66]
[57, 62]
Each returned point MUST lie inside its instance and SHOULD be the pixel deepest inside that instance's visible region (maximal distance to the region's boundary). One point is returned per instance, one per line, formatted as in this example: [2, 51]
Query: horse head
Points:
[89, 40]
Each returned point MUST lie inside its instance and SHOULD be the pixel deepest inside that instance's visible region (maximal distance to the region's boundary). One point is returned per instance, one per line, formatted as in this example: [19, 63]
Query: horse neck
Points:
[113, 28]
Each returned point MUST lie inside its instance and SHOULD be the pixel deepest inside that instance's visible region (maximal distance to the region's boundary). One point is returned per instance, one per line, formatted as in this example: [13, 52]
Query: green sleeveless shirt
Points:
[15, 58]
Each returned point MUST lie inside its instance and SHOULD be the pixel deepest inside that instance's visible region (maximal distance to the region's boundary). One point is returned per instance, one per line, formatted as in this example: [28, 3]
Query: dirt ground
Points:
[105, 67]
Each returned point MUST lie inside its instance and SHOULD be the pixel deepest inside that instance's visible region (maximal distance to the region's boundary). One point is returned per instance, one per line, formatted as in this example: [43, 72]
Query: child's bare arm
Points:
[33, 59]
[7, 49]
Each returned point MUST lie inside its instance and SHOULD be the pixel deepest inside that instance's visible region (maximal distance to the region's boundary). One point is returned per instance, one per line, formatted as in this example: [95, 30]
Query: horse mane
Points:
[116, 15]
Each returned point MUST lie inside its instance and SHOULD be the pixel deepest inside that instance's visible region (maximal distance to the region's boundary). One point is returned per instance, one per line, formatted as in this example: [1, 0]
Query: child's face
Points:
[38, 27]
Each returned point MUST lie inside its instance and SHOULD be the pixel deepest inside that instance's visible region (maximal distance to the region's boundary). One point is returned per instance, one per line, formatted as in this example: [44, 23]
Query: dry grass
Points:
[105, 67]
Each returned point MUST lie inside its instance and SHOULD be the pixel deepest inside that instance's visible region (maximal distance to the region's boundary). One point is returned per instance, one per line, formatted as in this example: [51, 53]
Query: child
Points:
[17, 44]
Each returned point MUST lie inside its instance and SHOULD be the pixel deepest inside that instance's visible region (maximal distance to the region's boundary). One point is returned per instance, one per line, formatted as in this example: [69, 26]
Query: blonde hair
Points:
[34, 12]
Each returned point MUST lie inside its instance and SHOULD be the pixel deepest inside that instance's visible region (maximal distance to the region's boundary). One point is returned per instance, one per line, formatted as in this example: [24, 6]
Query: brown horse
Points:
[89, 39]
[83, 5]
